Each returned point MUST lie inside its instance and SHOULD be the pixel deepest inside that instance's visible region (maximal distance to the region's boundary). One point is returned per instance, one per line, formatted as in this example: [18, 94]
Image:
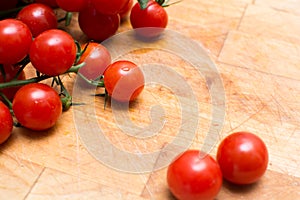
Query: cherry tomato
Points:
[10, 73]
[72, 5]
[38, 17]
[124, 80]
[109, 7]
[37, 106]
[191, 177]
[96, 58]
[15, 41]
[98, 26]
[126, 10]
[243, 158]
[51, 3]
[53, 52]
[6, 123]
[8, 4]
[153, 16]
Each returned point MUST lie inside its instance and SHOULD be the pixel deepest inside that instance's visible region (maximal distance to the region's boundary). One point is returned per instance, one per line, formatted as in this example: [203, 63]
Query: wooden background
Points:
[256, 47]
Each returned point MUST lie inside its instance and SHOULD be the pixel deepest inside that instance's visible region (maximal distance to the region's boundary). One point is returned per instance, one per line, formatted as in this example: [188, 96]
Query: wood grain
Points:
[255, 45]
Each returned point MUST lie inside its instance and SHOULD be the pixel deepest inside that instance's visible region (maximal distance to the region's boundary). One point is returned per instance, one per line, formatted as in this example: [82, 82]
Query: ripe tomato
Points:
[15, 41]
[8, 4]
[109, 7]
[10, 73]
[96, 58]
[126, 9]
[53, 52]
[72, 5]
[154, 17]
[243, 158]
[6, 123]
[37, 106]
[51, 3]
[38, 17]
[191, 177]
[98, 26]
[124, 81]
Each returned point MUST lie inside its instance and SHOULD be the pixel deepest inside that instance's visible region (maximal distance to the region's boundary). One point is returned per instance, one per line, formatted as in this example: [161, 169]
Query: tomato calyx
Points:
[163, 3]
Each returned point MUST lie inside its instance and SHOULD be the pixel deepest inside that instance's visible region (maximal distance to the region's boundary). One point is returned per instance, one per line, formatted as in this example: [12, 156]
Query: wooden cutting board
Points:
[256, 48]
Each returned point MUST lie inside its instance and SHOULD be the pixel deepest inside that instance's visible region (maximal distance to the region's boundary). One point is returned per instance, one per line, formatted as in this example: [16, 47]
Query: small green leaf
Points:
[143, 4]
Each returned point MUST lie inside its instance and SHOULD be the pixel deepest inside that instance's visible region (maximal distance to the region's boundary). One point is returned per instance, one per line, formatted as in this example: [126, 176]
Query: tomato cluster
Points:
[32, 36]
[242, 158]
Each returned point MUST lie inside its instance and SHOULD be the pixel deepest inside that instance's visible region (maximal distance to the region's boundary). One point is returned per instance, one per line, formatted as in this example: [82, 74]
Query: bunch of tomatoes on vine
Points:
[29, 33]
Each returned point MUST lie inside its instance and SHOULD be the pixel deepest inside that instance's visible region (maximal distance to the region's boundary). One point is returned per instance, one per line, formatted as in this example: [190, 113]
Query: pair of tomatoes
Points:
[242, 158]
[123, 79]
[101, 19]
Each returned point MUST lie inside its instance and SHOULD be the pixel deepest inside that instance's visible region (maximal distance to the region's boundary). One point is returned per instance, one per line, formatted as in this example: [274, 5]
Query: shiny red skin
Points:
[10, 73]
[243, 158]
[124, 81]
[51, 3]
[38, 17]
[154, 16]
[37, 106]
[97, 58]
[53, 52]
[191, 177]
[6, 123]
[97, 26]
[15, 41]
[72, 5]
[109, 7]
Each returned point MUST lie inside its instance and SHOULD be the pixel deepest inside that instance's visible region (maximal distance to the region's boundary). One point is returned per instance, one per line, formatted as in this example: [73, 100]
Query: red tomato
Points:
[53, 52]
[109, 7]
[10, 73]
[126, 9]
[72, 5]
[96, 58]
[15, 41]
[51, 3]
[37, 106]
[8, 4]
[154, 16]
[191, 177]
[124, 81]
[98, 26]
[243, 158]
[6, 123]
[38, 17]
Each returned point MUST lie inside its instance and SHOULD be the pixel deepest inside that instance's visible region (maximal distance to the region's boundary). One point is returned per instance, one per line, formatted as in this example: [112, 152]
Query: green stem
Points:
[65, 96]
[67, 18]
[99, 83]
[7, 101]
[15, 83]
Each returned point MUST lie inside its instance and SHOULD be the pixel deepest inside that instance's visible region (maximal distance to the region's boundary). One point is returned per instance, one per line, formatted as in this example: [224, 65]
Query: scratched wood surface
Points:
[256, 47]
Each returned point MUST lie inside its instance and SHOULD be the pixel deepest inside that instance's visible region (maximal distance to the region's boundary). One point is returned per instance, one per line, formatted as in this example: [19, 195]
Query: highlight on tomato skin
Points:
[149, 22]
[243, 158]
[96, 58]
[38, 17]
[48, 48]
[194, 175]
[124, 81]
[37, 106]
[15, 41]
